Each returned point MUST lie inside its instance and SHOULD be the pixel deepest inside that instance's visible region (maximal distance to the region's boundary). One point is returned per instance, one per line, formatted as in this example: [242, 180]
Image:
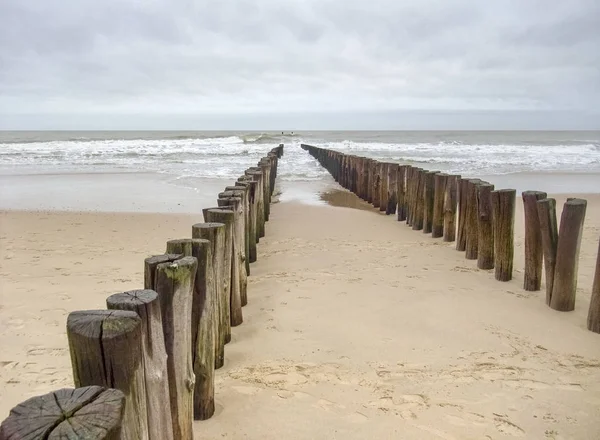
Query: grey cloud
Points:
[231, 57]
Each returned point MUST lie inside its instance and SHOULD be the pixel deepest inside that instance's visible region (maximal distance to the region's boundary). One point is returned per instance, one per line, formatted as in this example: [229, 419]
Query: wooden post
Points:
[485, 229]
[251, 217]
[150, 265]
[401, 191]
[437, 225]
[534, 253]
[392, 196]
[593, 321]
[549, 230]
[419, 200]
[428, 201]
[231, 263]
[174, 285]
[383, 187]
[242, 192]
[257, 175]
[106, 350]
[461, 236]
[226, 217]
[450, 201]
[215, 234]
[202, 323]
[264, 164]
[146, 304]
[92, 413]
[471, 233]
[567, 255]
[239, 296]
[376, 184]
[503, 217]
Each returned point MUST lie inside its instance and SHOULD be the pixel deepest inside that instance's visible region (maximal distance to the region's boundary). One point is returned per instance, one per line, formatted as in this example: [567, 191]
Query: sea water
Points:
[34, 162]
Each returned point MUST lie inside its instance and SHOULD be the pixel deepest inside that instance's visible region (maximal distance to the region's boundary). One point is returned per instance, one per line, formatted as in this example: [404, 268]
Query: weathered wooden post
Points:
[401, 191]
[461, 236]
[471, 233]
[567, 255]
[91, 413]
[215, 234]
[503, 212]
[439, 193]
[419, 200]
[174, 283]
[376, 184]
[549, 230]
[106, 350]
[220, 215]
[240, 190]
[428, 201]
[485, 229]
[593, 320]
[257, 175]
[383, 188]
[370, 180]
[450, 202]
[534, 253]
[227, 201]
[147, 306]
[392, 195]
[266, 168]
[252, 251]
[202, 324]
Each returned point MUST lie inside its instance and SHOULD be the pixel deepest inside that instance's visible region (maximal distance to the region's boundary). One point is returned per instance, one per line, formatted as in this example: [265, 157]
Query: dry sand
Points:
[357, 327]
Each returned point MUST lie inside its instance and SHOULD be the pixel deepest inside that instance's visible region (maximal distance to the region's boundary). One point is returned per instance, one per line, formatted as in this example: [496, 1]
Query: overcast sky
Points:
[298, 63]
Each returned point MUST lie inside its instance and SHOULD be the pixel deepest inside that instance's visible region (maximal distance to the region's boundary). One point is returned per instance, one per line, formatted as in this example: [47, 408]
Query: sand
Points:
[357, 327]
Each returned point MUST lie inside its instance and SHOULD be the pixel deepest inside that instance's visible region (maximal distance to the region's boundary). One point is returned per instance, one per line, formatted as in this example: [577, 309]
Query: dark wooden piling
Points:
[593, 320]
[567, 255]
[471, 232]
[91, 413]
[252, 250]
[439, 193]
[503, 212]
[461, 235]
[174, 284]
[401, 192]
[546, 209]
[428, 201]
[105, 347]
[534, 253]
[238, 274]
[485, 229]
[215, 234]
[392, 195]
[450, 203]
[243, 193]
[202, 323]
[257, 176]
[147, 306]
[383, 187]
[231, 285]
[419, 199]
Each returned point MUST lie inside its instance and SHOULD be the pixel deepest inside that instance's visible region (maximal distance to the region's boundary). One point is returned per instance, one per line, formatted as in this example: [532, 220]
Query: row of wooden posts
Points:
[479, 218]
[144, 367]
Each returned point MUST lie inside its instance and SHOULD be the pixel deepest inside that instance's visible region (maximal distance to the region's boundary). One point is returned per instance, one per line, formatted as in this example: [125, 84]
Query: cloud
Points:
[151, 57]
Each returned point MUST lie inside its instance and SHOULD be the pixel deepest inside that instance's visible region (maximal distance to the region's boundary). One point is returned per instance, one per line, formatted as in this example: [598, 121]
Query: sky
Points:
[299, 64]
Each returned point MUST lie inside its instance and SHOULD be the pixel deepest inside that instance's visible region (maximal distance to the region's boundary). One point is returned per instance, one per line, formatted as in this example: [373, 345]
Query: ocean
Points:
[553, 161]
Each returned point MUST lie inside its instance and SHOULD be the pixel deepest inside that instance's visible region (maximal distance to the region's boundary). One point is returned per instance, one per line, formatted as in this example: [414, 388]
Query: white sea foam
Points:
[187, 159]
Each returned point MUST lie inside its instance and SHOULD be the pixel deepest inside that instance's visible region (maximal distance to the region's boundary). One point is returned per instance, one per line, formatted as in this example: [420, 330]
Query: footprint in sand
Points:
[246, 390]
[466, 419]
[507, 427]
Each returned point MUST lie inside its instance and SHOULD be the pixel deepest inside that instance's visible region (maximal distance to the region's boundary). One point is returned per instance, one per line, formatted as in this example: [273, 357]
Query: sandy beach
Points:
[356, 327]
